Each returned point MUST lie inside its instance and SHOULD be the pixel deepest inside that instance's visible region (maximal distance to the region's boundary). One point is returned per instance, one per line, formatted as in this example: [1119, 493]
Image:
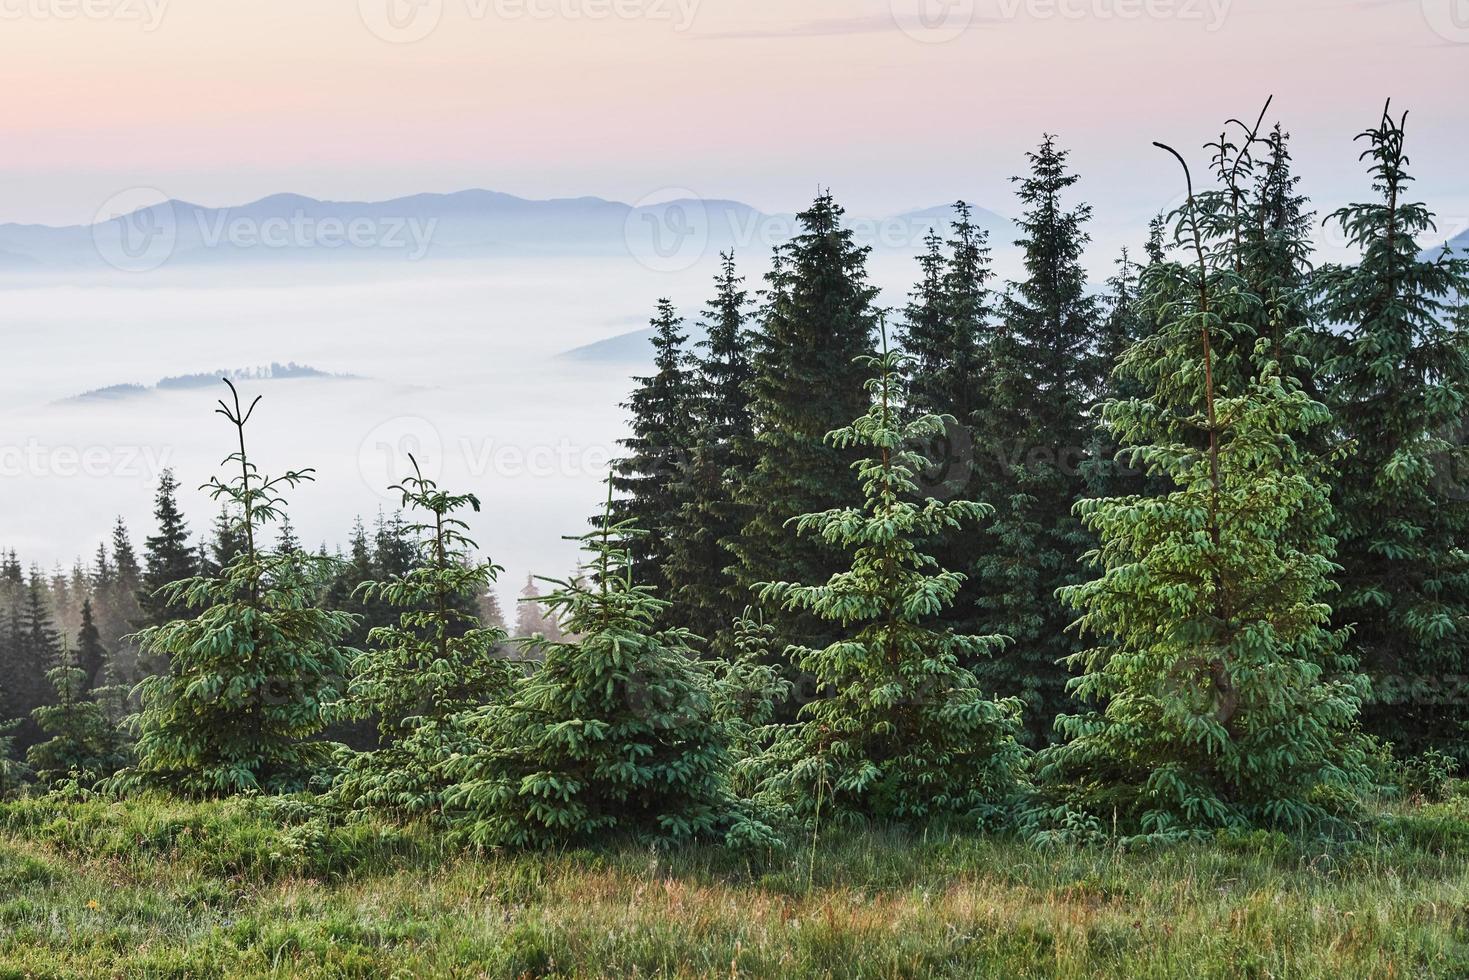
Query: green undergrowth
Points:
[159, 888]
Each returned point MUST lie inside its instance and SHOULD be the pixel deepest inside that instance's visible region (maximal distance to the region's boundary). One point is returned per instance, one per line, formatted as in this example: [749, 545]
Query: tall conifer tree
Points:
[650, 478]
[818, 318]
[1033, 444]
[1219, 695]
[1400, 390]
[701, 558]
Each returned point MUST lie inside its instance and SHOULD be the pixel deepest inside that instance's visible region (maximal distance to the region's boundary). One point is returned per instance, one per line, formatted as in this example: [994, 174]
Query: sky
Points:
[894, 104]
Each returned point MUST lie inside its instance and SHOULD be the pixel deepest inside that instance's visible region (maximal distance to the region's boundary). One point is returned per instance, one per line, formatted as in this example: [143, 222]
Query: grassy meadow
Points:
[159, 888]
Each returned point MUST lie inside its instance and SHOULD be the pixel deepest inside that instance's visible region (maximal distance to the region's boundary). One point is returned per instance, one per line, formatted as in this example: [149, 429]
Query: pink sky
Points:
[221, 101]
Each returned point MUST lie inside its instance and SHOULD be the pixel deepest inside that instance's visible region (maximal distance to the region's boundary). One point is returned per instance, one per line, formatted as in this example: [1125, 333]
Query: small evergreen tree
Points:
[1219, 695]
[435, 663]
[614, 734]
[901, 729]
[85, 745]
[253, 674]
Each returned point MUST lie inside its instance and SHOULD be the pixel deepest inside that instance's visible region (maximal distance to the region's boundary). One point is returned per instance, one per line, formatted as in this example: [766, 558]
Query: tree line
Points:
[1178, 555]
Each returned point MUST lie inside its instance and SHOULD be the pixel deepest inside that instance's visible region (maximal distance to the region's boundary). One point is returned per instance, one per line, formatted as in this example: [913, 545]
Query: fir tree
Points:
[1400, 389]
[817, 320]
[614, 734]
[167, 555]
[253, 674]
[649, 478]
[1034, 444]
[711, 515]
[901, 729]
[1220, 696]
[435, 663]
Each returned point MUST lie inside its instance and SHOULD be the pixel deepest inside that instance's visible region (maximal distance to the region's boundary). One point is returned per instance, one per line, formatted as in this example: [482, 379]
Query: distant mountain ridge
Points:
[464, 223]
[270, 372]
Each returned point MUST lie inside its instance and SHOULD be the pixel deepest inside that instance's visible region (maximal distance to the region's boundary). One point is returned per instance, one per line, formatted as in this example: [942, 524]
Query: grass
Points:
[156, 888]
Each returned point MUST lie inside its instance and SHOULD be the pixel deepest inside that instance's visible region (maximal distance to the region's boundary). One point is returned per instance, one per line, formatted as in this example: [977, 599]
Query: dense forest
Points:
[1173, 556]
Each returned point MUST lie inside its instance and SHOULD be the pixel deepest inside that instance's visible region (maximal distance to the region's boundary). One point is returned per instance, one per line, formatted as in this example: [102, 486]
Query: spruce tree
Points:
[948, 332]
[711, 515]
[1399, 386]
[1124, 324]
[85, 745]
[13, 772]
[900, 729]
[946, 326]
[650, 478]
[613, 735]
[167, 555]
[531, 617]
[91, 657]
[434, 663]
[818, 318]
[1034, 441]
[253, 674]
[35, 648]
[1218, 693]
